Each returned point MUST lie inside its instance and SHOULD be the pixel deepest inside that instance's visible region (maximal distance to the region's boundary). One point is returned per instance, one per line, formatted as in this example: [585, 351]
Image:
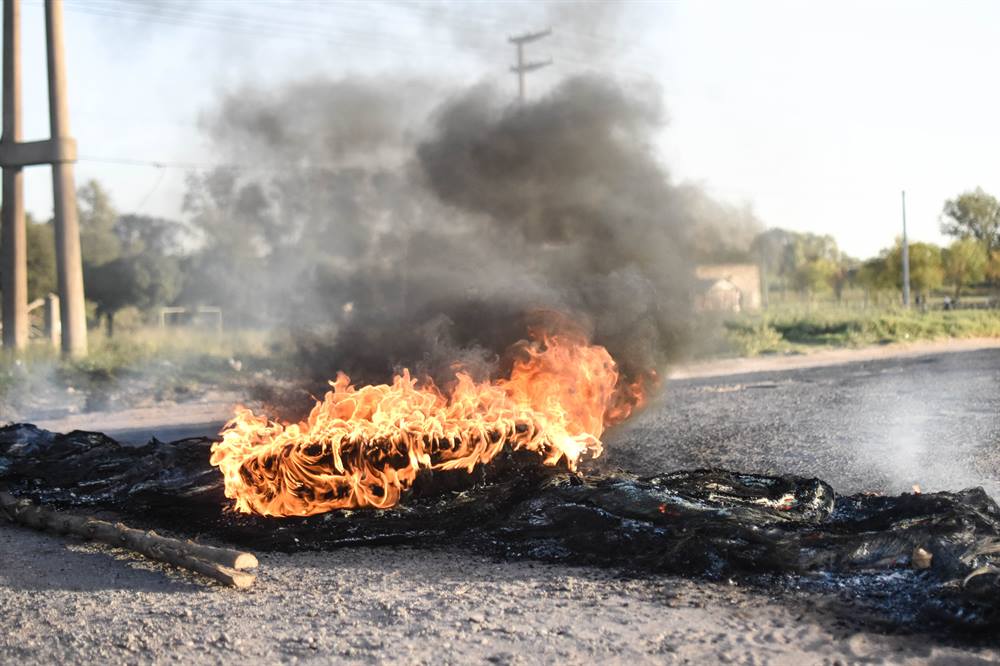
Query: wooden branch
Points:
[222, 564]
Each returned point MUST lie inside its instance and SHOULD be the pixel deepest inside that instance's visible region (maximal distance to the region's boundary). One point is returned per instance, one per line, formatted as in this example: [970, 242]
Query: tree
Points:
[41, 258]
[974, 214]
[768, 247]
[993, 267]
[926, 270]
[964, 263]
[809, 263]
[143, 234]
[142, 281]
[813, 261]
[98, 242]
[845, 273]
[875, 275]
[129, 260]
[815, 275]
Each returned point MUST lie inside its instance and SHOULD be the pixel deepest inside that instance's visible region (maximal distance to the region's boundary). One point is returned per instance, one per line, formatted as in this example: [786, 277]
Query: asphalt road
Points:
[881, 425]
[878, 425]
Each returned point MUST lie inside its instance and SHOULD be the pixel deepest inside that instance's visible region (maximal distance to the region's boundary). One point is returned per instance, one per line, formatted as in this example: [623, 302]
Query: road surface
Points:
[879, 425]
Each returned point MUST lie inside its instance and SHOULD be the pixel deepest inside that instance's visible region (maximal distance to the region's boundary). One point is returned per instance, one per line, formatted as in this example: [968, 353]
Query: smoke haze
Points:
[396, 225]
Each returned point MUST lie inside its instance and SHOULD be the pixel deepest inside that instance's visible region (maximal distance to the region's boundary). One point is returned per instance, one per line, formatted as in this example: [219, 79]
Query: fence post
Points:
[53, 324]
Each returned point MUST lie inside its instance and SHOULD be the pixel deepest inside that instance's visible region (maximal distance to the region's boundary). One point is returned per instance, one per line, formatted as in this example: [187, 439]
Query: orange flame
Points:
[363, 447]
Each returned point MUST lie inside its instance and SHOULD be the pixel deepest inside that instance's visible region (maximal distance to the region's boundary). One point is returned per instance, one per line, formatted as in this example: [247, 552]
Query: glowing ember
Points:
[363, 447]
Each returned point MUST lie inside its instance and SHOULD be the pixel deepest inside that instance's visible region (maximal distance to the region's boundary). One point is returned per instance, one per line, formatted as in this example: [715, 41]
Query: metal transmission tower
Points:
[60, 152]
[522, 67]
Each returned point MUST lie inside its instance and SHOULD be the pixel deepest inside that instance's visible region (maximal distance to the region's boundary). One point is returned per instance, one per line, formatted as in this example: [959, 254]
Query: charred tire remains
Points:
[918, 559]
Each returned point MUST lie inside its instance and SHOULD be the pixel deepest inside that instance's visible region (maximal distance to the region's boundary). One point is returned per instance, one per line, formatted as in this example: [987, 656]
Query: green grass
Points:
[133, 366]
[797, 330]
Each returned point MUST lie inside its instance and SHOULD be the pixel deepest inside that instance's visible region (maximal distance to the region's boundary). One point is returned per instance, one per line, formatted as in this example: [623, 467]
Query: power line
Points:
[142, 202]
[261, 26]
[491, 22]
[272, 27]
[251, 27]
[145, 163]
[206, 166]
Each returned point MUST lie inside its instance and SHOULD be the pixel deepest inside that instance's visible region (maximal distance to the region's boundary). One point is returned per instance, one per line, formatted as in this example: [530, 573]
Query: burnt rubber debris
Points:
[922, 560]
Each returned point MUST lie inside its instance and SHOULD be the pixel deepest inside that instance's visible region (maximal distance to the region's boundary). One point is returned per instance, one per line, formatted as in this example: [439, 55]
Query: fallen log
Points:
[221, 564]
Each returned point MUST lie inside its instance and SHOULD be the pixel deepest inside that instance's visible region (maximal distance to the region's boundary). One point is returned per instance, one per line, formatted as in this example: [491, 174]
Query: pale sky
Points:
[816, 113]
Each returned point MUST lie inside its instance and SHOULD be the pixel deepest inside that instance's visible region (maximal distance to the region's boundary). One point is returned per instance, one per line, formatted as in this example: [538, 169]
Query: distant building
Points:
[718, 296]
[728, 287]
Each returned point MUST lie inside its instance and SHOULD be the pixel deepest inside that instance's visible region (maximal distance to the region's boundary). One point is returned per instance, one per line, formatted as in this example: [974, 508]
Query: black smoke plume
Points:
[395, 233]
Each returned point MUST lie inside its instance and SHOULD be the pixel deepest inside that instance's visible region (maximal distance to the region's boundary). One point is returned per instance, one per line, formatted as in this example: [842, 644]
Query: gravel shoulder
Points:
[880, 423]
[67, 602]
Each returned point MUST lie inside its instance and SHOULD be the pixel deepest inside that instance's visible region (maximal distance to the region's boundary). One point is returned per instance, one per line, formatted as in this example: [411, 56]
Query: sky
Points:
[816, 114]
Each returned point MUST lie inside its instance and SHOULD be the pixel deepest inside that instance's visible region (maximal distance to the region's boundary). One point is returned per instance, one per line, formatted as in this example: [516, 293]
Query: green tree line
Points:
[220, 255]
[812, 265]
[128, 260]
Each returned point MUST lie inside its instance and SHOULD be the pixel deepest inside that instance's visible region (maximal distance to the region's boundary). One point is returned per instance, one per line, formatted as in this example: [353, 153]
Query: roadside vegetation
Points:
[818, 297]
[799, 330]
[135, 367]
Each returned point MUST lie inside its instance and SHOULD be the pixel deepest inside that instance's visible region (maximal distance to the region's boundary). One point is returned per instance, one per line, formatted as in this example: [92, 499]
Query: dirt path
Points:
[167, 422]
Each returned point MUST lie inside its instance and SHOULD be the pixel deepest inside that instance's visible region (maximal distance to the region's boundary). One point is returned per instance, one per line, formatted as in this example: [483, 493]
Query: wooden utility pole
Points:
[60, 152]
[69, 263]
[522, 67]
[14, 260]
[906, 259]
